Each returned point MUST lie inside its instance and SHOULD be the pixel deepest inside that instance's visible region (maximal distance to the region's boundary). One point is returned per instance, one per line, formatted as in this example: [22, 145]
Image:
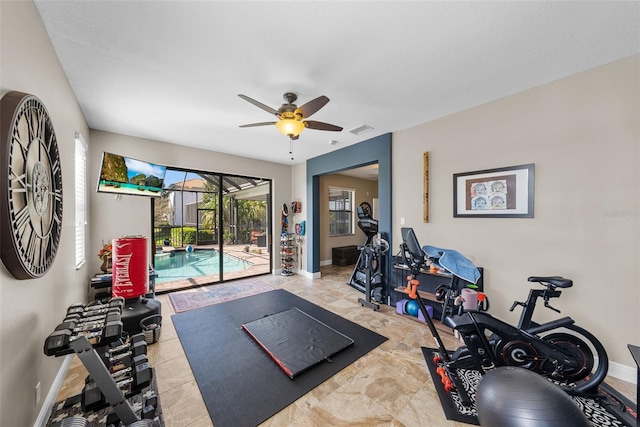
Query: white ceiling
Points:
[171, 70]
[369, 172]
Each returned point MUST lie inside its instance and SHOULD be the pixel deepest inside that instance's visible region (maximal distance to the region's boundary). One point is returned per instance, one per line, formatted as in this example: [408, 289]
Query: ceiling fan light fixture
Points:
[290, 127]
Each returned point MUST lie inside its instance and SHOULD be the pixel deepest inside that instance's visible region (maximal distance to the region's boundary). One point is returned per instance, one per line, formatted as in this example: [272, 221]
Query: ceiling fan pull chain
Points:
[291, 147]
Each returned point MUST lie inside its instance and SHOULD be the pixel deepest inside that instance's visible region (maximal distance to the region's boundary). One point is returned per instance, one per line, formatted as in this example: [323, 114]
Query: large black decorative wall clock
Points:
[30, 186]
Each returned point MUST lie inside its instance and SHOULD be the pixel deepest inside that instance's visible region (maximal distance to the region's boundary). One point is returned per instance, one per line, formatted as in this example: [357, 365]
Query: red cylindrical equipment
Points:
[130, 267]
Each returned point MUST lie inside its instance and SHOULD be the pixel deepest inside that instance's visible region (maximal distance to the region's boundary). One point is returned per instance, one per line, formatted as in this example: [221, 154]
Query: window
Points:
[81, 200]
[340, 211]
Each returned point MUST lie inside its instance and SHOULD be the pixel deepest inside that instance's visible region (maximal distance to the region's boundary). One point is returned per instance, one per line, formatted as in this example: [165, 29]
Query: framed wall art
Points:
[493, 193]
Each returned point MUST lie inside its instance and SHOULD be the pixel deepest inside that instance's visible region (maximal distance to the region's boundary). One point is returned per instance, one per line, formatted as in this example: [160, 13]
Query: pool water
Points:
[180, 265]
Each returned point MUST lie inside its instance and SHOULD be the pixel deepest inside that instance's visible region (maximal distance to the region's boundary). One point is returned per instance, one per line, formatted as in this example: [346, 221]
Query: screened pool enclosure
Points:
[210, 227]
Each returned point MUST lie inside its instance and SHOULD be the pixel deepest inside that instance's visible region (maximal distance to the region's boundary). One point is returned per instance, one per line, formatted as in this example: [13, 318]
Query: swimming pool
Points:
[180, 265]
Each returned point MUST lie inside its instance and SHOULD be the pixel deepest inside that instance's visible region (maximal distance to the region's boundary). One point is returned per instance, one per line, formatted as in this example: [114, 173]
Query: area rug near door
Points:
[215, 294]
[239, 382]
[609, 409]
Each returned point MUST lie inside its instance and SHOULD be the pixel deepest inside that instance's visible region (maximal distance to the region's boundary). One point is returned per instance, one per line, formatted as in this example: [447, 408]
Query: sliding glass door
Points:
[247, 227]
[210, 228]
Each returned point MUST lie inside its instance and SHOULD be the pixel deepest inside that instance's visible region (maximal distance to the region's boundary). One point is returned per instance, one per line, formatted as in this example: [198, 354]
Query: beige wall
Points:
[131, 215]
[365, 190]
[30, 309]
[583, 134]
[299, 193]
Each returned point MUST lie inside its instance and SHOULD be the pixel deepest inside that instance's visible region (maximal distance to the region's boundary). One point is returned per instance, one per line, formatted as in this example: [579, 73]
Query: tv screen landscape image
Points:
[123, 175]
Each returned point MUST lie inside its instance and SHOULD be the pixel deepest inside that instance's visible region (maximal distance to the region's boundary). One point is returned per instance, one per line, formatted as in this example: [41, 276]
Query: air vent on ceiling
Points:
[361, 129]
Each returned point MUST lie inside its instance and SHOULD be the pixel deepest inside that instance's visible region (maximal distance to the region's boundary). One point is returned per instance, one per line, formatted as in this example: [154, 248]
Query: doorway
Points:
[375, 150]
[202, 228]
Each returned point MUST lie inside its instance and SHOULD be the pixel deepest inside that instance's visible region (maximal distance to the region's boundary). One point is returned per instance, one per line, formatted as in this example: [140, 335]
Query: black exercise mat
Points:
[240, 384]
[295, 340]
[610, 408]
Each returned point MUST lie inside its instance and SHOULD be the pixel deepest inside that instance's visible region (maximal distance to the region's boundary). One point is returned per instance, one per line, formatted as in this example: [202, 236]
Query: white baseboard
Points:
[301, 273]
[47, 405]
[307, 274]
[326, 262]
[623, 372]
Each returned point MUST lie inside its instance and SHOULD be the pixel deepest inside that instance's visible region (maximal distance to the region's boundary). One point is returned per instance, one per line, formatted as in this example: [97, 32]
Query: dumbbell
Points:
[76, 313]
[88, 323]
[133, 349]
[75, 319]
[149, 407]
[136, 344]
[57, 343]
[113, 302]
[124, 369]
[123, 354]
[126, 365]
[73, 421]
[114, 421]
[129, 380]
[116, 302]
[107, 329]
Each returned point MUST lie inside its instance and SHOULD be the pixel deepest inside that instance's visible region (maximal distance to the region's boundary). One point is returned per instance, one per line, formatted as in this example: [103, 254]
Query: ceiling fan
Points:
[292, 117]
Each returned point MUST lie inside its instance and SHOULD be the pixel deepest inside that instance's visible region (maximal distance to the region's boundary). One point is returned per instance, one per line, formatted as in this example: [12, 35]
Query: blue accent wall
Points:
[374, 150]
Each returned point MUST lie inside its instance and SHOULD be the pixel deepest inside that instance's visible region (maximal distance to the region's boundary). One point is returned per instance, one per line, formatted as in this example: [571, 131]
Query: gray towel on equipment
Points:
[454, 262]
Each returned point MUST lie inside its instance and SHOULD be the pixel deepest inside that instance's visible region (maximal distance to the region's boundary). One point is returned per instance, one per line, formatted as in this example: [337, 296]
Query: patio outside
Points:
[257, 258]
[204, 210]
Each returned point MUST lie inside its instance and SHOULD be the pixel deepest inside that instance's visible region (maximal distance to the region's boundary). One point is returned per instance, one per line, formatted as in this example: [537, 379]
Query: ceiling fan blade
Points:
[259, 105]
[314, 105]
[311, 124]
[251, 125]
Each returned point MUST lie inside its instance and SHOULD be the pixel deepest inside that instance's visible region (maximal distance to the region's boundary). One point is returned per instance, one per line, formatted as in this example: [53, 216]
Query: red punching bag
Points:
[130, 267]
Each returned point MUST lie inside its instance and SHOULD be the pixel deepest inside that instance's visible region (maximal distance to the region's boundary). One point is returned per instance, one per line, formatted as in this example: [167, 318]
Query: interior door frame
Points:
[374, 150]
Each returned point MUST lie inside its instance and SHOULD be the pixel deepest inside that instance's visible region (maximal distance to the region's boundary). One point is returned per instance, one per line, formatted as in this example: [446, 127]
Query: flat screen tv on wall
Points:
[123, 175]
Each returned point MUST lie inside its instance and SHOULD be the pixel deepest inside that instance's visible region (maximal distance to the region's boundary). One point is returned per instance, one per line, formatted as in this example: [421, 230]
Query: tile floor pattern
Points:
[390, 386]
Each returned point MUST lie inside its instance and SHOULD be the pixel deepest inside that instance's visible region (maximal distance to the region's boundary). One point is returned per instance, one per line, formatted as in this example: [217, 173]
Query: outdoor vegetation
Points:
[239, 218]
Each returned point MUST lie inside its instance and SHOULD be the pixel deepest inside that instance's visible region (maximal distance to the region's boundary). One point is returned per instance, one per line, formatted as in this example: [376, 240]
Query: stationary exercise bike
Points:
[566, 358]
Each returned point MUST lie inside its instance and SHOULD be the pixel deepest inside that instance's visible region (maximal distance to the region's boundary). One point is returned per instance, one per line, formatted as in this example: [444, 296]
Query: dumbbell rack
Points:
[60, 343]
[99, 372]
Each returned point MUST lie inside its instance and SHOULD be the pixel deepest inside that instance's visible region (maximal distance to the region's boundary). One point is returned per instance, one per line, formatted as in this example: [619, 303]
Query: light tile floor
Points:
[390, 386]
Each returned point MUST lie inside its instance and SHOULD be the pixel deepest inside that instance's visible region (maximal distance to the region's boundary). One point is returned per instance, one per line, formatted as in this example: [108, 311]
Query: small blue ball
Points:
[412, 308]
[189, 248]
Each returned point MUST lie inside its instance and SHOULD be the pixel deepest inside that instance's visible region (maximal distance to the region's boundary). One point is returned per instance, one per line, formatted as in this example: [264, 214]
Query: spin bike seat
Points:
[557, 281]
